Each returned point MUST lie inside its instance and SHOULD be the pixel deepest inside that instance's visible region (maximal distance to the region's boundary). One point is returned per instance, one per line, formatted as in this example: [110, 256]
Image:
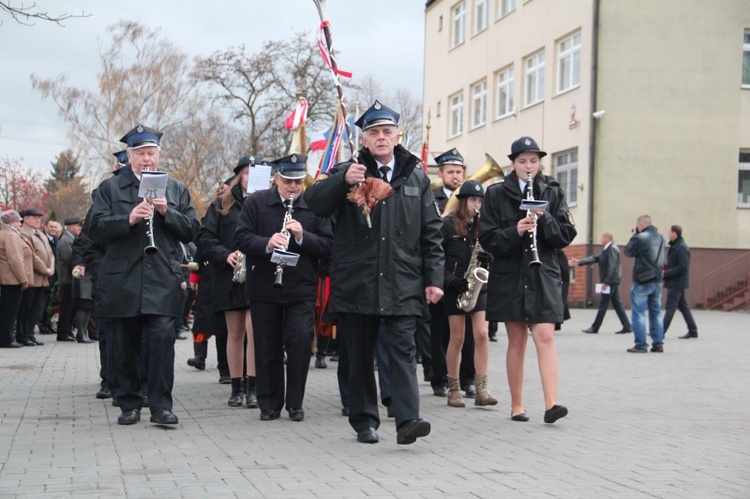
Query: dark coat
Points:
[457, 253]
[64, 258]
[610, 270]
[441, 199]
[262, 216]
[131, 283]
[383, 270]
[677, 273]
[516, 291]
[216, 242]
[204, 313]
[644, 247]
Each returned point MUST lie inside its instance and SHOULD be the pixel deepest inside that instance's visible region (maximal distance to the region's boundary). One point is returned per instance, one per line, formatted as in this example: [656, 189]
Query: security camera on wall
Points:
[598, 114]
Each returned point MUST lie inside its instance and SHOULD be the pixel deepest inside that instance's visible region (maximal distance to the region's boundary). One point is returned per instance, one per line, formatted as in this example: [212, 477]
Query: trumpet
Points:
[279, 273]
[489, 170]
[535, 261]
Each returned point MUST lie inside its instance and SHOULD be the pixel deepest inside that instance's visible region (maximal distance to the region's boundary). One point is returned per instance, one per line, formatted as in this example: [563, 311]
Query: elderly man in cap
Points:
[384, 273]
[35, 297]
[141, 292]
[64, 265]
[282, 297]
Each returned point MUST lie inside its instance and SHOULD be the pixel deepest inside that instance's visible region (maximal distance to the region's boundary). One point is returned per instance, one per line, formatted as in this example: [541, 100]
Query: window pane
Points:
[743, 189]
[746, 68]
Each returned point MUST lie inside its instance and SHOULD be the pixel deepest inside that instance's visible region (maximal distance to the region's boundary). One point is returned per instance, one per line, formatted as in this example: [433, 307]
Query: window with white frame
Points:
[459, 23]
[566, 173]
[456, 114]
[505, 7]
[504, 92]
[743, 182]
[479, 104]
[746, 58]
[481, 15]
[534, 91]
[569, 62]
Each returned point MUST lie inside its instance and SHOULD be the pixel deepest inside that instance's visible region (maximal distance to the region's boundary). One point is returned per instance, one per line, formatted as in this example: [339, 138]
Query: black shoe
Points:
[65, 337]
[367, 436]
[164, 416]
[197, 362]
[178, 335]
[269, 415]
[36, 342]
[334, 358]
[689, 335]
[590, 330]
[320, 362]
[410, 431]
[251, 397]
[440, 391]
[12, 344]
[555, 413]
[637, 350]
[470, 390]
[103, 393]
[658, 348]
[493, 338]
[27, 343]
[345, 411]
[129, 417]
[624, 330]
[224, 379]
[520, 417]
[235, 398]
[296, 414]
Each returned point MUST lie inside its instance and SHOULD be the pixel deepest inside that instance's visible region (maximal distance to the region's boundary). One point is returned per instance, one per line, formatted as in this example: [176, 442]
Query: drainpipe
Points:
[592, 151]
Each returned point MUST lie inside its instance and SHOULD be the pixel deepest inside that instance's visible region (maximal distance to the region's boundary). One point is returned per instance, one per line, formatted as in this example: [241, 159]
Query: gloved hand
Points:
[459, 284]
[484, 259]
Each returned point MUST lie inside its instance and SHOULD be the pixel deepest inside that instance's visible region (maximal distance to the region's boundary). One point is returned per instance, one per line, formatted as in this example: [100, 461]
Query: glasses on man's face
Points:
[290, 181]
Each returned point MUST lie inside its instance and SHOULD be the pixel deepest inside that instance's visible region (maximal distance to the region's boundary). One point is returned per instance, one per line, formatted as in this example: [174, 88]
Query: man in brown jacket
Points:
[35, 297]
[13, 276]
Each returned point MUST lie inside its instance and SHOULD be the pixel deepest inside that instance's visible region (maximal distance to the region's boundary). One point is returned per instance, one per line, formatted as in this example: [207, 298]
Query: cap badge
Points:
[527, 142]
[377, 105]
[477, 188]
[139, 129]
[294, 158]
[455, 151]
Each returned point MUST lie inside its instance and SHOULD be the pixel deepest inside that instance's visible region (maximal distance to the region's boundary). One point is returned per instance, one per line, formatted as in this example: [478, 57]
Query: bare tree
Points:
[23, 14]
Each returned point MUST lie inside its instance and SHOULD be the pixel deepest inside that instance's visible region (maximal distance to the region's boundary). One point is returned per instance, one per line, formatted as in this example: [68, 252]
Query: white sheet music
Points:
[286, 257]
[258, 178]
[153, 184]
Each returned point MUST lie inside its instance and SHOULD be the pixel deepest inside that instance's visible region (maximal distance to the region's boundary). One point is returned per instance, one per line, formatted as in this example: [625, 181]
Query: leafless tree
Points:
[24, 14]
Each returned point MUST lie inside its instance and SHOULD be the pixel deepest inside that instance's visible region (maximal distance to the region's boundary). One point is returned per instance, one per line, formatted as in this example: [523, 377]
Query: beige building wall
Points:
[676, 116]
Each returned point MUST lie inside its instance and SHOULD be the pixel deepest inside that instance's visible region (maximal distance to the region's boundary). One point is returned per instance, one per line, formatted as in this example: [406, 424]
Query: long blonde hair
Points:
[227, 197]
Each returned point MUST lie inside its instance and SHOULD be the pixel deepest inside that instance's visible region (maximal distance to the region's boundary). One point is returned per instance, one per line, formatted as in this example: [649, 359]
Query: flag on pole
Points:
[298, 116]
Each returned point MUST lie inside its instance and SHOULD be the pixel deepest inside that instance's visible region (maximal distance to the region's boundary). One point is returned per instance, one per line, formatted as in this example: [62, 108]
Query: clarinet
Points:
[279, 273]
[151, 248]
[535, 261]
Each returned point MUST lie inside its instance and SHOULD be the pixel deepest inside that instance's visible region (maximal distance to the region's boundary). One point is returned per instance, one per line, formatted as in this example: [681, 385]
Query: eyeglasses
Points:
[289, 181]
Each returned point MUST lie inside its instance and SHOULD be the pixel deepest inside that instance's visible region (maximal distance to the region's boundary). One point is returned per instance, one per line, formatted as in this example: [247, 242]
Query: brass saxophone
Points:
[240, 269]
[278, 283]
[476, 277]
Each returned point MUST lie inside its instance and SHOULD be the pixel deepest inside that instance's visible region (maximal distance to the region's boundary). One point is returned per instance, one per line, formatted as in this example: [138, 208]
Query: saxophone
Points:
[476, 277]
[240, 269]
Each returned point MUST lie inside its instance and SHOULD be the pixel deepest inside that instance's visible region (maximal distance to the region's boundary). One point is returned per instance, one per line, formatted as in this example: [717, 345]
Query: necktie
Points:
[384, 171]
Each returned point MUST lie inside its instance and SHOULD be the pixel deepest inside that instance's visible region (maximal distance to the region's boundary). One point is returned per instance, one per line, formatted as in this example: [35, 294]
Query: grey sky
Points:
[384, 38]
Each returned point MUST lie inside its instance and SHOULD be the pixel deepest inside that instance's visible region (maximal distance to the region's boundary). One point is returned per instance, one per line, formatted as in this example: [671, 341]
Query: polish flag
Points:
[298, 116]
[319, 140]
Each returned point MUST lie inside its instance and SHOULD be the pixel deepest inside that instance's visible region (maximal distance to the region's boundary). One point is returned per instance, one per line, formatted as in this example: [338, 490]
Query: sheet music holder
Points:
[153, 184]
[258, 178]
[533, 204]
[286, 257]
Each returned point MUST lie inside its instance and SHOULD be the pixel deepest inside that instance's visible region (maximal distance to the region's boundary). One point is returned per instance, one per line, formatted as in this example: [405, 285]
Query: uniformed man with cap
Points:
[451, 170]
[382, 273]
[283, 316]
[64, 266]
[140, 292]
[121, 160]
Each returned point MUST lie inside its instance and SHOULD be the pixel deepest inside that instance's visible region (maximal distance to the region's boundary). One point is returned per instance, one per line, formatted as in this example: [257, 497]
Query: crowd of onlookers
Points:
[38, 294]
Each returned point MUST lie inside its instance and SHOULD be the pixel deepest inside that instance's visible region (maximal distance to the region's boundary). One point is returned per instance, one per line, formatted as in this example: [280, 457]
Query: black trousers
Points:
[129, 336]
[362, 332]
[614, 297]
[10, 301]
[440, 335]
[67, 310]
[279, 328]
[424, 346]
[27, 310]
[676, 301]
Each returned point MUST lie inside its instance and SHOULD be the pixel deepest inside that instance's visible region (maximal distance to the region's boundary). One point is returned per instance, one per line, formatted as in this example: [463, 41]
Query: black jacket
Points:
[262, 216]
[610, 270]
[383, 270]
[516, 291]
[457, 253]
[677, 273]
[216, 242]
[644, 247]
[129, 282]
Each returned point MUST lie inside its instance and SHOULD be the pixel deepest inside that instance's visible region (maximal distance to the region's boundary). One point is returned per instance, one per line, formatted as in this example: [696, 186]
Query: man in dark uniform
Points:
[141, 292]
[64, 267]
[382, 273]
[282, 312]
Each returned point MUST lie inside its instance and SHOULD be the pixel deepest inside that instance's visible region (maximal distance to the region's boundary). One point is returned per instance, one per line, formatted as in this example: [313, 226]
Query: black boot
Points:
[235, 400]
[82, 337]
[198, 361]
[251, 401]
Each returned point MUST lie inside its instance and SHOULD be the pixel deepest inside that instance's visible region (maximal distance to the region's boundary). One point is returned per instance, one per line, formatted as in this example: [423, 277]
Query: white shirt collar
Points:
[607, 246]
[391, 165]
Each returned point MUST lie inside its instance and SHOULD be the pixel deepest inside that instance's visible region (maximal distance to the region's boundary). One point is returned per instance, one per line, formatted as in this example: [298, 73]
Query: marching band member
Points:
[282, 298]
[140, 291]
[459, 243]
[519, 294]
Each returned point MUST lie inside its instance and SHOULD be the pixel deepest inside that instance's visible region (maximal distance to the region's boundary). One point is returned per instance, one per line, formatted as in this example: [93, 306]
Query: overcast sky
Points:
[384, 38]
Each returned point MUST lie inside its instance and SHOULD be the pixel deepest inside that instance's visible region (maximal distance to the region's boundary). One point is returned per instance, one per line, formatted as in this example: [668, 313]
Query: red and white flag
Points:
[298, 116]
